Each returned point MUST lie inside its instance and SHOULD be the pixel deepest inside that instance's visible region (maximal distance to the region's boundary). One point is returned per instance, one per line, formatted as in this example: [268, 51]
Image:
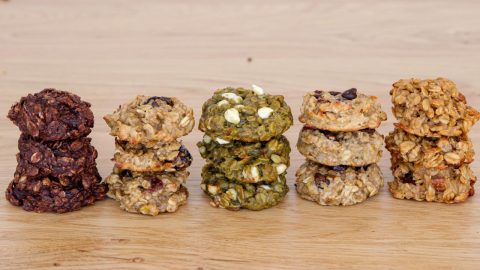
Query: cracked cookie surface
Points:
[341, 111]
[248, 162]
[356, 148]
[338, 185]
[151, 119]
[234, 195]
[244, 115]
[52, 115]
[432, 108]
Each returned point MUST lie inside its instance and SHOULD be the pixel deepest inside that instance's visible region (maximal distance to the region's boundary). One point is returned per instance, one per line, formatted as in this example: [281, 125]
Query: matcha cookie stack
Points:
[342, 147]
[247, 156]
[430, 147]
[149, 173]
[57, 169]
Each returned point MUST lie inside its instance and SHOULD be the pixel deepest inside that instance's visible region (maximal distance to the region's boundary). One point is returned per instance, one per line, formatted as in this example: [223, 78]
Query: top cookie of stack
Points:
[341, 145]
[150, 163]
[247, 156]
[430, 146]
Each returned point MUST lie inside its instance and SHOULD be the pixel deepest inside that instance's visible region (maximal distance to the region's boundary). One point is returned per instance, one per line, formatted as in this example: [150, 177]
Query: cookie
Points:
[341, 111]
[148, 119]
[356, 148]
[244, 115]
[234, 195]
[55, 158]
[432, 108]
[447, 185]
[52, 195]
[154, 158]
[338, 185]
[52, 115]
[430, 152]
[148, 193]
[248, 162]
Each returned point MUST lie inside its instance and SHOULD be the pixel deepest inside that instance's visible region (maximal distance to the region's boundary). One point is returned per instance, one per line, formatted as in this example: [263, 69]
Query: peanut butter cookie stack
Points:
[430, 147]
[149, 173]
[247, 156]
[56, 170]
[342, 147]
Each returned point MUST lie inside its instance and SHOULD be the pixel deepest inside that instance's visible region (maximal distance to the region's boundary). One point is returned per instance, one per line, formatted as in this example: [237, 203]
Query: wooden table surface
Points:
[109, 51]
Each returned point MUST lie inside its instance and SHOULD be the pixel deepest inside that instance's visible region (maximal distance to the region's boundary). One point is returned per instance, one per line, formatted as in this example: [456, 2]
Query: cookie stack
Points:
[56, 169]
[341, 146]
[430, 146]
[247, 156]
[149, 174]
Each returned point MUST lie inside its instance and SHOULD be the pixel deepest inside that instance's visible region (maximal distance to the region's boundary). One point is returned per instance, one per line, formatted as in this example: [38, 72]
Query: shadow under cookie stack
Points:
[247, 156]
[150, 163]
[57, 170]
[342, 147]
[430, 147]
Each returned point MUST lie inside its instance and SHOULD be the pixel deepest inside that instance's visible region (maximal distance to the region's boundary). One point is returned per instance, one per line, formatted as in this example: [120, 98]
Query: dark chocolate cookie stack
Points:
[430, 147]
[150, 163]
[56, 169]
[342, 147]
[247, 156]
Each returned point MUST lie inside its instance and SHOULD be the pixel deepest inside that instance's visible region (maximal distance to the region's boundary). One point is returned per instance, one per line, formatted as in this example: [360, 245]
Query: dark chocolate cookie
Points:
[52, 115]
[56, 158]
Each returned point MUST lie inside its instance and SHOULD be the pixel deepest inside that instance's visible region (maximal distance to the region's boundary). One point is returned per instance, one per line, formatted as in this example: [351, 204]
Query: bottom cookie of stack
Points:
[51, 194]
[447, 184]
[148, 193]
[234, 195]
[338, 185]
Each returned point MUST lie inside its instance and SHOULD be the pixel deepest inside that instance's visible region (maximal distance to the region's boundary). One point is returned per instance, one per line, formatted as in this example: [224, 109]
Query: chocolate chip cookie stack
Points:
[341, 146]
[149, 173]
[430, 147]
[247, 156]
[56, 169]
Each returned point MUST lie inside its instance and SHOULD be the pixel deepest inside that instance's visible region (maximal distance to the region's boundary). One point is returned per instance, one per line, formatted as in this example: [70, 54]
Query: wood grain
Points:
[109, 51]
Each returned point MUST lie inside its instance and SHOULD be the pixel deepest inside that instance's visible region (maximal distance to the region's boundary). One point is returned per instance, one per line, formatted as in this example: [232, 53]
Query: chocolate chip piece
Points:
[339, 168]
[320, 178]
[152, 101]
[126, 173]
[318, 95]
[350, 94]
[408, 179]
[334, 93]
[370, 131]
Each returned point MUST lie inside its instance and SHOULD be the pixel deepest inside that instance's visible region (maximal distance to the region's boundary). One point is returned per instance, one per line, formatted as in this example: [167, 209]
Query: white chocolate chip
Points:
[221, 141]
[258, 90]
[233, 96]
[264, 112]
[207, 139]
[255, 173]
[232, 116]
[266, 187]
[223, 102]
[212, 189]
[281, 168]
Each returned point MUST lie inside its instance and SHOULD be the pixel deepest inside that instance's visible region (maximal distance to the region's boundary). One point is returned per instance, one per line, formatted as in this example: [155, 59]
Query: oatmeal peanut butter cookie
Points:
[356, 148]
[234, 195]
[55, 158]
[428, 152]
[52, 115]
[338, 185]
[448, 185]
[245, 115]
[148, 193]
[248, 162]
[51, 195]
[157, 157]
[148, 119]
[341, 111]
[432, 108]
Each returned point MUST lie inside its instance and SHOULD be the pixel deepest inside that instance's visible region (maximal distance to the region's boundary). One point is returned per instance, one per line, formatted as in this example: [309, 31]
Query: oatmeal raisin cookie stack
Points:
[342, 147]
[150, 163]
[247, 156]
[430, 147]
[56, 170]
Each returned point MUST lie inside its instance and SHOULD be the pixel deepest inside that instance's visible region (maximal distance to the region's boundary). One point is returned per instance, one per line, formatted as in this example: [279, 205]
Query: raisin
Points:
[155, 184]
[334, 93]
[320, 178]
[350, 94]
[408, 179]
[339, 168]
[152, 101]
